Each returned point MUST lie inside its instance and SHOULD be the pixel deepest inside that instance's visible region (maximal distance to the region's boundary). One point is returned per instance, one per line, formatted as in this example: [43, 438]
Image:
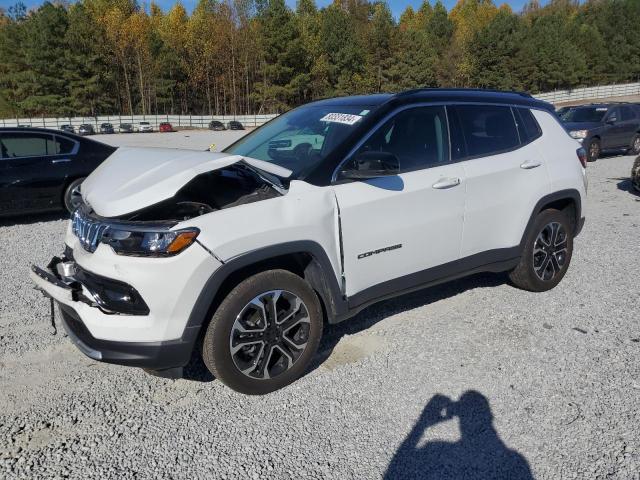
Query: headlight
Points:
[578, 133]
[149, 243]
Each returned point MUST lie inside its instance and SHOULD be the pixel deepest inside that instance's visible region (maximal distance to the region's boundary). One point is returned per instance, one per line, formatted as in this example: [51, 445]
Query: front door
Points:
[394, 228]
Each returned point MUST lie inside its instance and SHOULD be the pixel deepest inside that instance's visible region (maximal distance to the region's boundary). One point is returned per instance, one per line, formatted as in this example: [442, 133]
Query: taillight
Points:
[582, 156]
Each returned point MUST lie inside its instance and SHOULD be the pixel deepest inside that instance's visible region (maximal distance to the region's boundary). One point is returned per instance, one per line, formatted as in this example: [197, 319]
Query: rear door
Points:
[613, 134]
[394, 228]
[505, 175]
[33, 170]
[628, 125]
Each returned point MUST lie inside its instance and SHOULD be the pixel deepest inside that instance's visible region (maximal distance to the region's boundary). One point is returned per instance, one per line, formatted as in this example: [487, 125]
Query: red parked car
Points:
[165, 127]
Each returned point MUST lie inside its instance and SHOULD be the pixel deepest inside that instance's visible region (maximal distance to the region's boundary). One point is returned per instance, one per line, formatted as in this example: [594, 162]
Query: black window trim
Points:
[506, 150]
[74, 150]
[446, 104]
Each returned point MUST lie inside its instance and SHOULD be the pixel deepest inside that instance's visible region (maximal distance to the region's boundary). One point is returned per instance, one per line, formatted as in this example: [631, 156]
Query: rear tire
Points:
[547, 252]
[593, 150]
[264, 334]
[72, 198]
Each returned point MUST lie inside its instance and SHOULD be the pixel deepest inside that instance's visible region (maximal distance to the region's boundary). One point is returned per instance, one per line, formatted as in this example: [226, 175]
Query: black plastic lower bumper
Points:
[159, 356]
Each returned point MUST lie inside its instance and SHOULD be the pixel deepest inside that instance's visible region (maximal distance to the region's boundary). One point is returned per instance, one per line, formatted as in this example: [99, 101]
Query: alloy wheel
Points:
[75, 197]
[550, 251]
[270, 334]
[636, 145]
[594, 150]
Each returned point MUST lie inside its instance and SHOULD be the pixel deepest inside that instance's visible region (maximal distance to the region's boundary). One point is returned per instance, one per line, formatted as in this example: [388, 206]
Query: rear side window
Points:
[19, 144]
[528, 128]
[627, 113]
[14, 145]
[484, 130]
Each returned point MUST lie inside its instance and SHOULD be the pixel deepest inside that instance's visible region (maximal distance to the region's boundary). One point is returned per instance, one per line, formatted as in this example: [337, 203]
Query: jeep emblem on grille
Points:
[88, 230]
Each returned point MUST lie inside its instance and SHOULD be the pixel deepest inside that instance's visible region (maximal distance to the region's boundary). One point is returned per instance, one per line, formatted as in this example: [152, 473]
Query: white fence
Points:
[589, 93]
[202, 121]
[178, 121]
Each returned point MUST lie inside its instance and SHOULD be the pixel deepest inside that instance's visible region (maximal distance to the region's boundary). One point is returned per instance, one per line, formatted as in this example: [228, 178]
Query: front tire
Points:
[72, 198]
[264, 334]
[547, 252]
[593, 150]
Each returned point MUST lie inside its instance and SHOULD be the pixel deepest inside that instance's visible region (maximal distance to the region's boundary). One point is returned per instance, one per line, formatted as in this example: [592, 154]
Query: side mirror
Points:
[372, 165]
[612, 119]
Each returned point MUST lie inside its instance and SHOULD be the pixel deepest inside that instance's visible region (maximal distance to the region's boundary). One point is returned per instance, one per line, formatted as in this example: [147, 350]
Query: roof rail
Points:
[431, 89]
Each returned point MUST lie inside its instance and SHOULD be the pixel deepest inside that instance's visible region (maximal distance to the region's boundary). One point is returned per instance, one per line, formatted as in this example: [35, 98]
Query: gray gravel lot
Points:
[554, 380]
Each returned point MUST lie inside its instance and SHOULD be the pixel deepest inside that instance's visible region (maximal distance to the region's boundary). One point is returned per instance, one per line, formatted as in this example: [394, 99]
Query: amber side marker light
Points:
[182, 241]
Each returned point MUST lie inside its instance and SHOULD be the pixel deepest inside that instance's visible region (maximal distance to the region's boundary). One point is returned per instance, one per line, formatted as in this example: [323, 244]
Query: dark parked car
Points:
[604, 127]
[235, 125]
[86, 129]
[106, 128]
[126, 128]
[42, 169]
[67, 128]
[216, 125]
[561, 111]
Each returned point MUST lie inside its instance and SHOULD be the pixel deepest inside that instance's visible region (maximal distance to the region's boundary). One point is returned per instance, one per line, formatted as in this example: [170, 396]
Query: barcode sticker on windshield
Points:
[346, 118]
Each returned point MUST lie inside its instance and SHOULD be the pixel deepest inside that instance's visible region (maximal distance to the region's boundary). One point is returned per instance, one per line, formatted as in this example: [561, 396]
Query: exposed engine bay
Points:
[229, 187]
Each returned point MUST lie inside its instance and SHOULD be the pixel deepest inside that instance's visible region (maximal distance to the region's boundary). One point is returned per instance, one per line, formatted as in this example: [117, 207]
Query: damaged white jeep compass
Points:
[244, 255]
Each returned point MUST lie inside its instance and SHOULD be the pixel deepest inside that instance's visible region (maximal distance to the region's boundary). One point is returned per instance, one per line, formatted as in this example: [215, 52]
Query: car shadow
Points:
[480, 453]
[625, 185]
[197, 371]
[28, 219]
[379, 311]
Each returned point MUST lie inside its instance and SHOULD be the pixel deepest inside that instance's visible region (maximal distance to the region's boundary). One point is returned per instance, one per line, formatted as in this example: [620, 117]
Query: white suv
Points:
[243, 257]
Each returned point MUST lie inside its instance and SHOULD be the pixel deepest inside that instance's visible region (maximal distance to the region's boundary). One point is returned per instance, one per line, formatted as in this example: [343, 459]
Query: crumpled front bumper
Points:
[83, 296]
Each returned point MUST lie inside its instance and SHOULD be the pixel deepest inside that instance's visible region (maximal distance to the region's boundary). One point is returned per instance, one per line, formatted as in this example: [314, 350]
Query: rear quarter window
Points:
[528, 127]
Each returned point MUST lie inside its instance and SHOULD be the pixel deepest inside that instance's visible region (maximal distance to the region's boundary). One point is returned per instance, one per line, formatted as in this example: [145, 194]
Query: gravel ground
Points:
[470, 375]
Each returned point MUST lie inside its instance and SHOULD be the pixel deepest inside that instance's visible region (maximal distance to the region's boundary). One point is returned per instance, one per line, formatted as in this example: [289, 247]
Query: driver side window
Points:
[417, 136]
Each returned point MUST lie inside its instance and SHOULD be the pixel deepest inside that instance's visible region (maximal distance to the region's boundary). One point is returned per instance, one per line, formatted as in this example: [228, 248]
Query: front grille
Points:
[88, 230]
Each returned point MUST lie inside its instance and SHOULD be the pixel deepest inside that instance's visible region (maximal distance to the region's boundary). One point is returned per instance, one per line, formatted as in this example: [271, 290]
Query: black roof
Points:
[440, 95]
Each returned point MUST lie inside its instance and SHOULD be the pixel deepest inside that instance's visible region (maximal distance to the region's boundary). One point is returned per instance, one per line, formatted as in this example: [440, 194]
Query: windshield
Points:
[584, 114]
[302, 138]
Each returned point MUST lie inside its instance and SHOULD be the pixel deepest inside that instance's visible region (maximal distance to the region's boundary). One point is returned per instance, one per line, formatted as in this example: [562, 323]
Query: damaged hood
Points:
[135, 178]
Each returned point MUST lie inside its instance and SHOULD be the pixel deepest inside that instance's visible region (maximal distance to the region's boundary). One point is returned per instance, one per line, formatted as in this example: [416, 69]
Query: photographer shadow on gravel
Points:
[479, 454]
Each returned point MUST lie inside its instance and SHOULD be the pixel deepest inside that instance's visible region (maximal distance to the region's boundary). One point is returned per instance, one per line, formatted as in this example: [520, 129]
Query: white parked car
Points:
[292, 145]
[145, 127]
[243, 256]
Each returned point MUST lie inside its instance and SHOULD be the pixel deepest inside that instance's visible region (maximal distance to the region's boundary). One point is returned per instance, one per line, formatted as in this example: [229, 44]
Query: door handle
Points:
[529, 164]
[446, 183]
[61, 160]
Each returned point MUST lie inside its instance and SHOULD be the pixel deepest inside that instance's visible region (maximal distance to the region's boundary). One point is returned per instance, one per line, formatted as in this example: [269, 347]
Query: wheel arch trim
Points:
[319, 273]
[570, 194]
